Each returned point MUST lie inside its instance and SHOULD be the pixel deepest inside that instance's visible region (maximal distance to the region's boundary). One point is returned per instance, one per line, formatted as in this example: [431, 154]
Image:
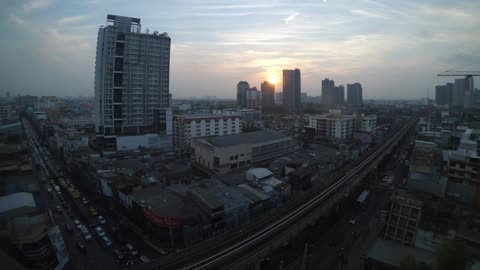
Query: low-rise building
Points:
[369, 123]
[334, 125]
[187, 127]
[220, 155]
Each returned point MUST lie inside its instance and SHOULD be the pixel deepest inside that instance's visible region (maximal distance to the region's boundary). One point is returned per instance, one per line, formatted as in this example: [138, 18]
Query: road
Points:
[95, 256]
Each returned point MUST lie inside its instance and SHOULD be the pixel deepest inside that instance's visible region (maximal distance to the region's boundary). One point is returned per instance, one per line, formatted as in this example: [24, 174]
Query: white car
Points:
[77, 223]
[352, 221]
[100, 231]
[101, 220]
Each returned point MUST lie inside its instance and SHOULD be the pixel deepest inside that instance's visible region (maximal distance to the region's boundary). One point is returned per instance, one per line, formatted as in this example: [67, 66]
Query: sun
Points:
[273, 79]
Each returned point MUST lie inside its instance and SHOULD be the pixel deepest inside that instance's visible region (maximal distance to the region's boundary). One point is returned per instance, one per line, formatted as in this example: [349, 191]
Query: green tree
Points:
[451, 256]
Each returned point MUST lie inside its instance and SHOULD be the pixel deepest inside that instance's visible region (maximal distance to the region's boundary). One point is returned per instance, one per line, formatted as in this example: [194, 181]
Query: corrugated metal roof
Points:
[16, 200]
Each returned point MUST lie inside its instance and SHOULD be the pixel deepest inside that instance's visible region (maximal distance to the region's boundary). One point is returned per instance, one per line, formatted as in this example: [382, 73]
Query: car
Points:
[106, 241]
[119, 255]
[101, 220]
[352, 221]
[92, 211]
[81, 245]
[131, 249]
[144, 259]
[68, 228]
[77, 223]
[100, 231]
[59, 209]
[84, 201]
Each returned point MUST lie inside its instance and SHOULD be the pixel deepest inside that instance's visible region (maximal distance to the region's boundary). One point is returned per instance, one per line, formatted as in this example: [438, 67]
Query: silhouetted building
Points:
[328, 88]
[253, 98]
[443, 94]
[354, 94]
[463, 93]
[242, 88]
[339, 95]
[132, 77]
[291, 89]
[268, 94]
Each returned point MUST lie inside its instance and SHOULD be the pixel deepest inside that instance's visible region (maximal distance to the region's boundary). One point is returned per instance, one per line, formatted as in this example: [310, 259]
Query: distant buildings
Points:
[247, 97]
[132, 77]
[291, 89]
[268, 94]
[333, 125]
[221, 155]
[187, 127]
[354, 94]
[462, 95]
[249, 117]
[443, 94]
[369, 123]
[5, 112]
[332, 95]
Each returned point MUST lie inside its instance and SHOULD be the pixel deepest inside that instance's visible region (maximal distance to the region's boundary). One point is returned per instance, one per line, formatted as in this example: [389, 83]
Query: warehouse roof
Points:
[243, 138]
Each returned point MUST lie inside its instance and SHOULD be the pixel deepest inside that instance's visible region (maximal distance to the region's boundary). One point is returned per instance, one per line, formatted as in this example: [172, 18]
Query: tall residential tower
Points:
[132, 76]
[268, 94]
[354, 94]
[291, 89]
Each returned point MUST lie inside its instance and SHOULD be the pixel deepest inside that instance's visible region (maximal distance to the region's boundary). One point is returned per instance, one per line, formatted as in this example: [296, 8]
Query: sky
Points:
[394, 48]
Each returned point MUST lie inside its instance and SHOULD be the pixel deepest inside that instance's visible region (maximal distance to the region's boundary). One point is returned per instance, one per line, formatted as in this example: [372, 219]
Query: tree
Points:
[451, 256]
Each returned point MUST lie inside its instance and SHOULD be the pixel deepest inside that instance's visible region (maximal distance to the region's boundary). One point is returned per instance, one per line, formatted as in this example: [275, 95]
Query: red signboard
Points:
[166, 222]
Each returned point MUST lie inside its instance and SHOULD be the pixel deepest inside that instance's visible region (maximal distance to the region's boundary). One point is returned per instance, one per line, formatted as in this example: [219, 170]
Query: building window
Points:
[242, 163]
[236, 156]
[233, 165]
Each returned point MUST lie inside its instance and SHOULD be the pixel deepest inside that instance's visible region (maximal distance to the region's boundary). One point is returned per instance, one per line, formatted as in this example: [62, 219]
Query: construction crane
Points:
[456, 73]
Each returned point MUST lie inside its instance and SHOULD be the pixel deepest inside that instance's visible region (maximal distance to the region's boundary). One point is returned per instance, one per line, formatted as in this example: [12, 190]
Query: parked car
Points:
[119, 255]
[77, 223]
[59, 209]
[100, 231]
[106, 241]
[131, 249]
[101, 220]
[81, 246]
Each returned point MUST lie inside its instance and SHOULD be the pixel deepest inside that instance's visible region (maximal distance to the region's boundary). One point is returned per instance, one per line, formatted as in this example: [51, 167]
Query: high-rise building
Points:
[354, 94]
[242, 88]
[468, 93]
[339, 95]
[328, 88]
[291, 89]
[443, 94]
[132, 76]
[253, 98]
[268, 94]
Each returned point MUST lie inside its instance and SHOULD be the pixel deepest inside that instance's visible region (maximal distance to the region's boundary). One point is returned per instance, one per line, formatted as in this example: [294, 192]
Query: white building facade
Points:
[369, 123]
[333, 125]
[187, 127]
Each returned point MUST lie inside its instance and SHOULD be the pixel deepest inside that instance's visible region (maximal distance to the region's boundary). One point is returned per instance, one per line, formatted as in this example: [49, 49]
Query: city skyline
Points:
[52, 43]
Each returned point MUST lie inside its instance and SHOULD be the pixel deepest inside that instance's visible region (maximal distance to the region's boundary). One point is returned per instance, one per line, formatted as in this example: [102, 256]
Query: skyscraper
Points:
[339, 95]
[291, 89]
[268, 94]
[242, 88]
[354, 94]
[328, 88]
[443, 94]
[132, 76]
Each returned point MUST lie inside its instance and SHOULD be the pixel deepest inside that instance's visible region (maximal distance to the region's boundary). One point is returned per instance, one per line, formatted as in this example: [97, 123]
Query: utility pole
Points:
[305, 257]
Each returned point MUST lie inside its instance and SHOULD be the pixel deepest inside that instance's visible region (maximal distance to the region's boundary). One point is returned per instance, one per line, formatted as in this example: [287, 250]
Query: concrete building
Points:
[339, 95]
[242, 88]
[461, 168]
[187, 127]
[5, 112]
[291, 89]
[268, 94]
[443, 94]
[132, 77]
[334, 125]
[354, 94]
[463, 93]
[253, 98]
[369, 124]
[221, 155]
[250, 117]
[403, 218]
[328, 96]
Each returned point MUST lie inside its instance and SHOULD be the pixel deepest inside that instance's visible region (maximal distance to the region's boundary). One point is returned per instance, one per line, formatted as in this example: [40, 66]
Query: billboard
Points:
[167, 222]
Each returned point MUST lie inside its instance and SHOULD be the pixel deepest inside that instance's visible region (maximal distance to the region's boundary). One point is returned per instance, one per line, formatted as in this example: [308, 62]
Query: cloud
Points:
[72, 19]
[368, 14]
[291, 17]
[17, 20]
[37, 4]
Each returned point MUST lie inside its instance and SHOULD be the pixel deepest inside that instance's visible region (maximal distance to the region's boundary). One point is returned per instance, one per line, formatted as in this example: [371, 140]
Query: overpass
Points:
[245, 246]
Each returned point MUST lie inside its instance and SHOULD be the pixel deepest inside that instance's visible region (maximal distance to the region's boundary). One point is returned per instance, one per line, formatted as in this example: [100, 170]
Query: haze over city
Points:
[395, 49]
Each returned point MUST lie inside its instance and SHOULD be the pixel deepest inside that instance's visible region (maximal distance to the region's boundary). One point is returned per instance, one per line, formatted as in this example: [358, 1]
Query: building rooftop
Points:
[260, 173]
[392, 253]
[246, 138]
[15, 201]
